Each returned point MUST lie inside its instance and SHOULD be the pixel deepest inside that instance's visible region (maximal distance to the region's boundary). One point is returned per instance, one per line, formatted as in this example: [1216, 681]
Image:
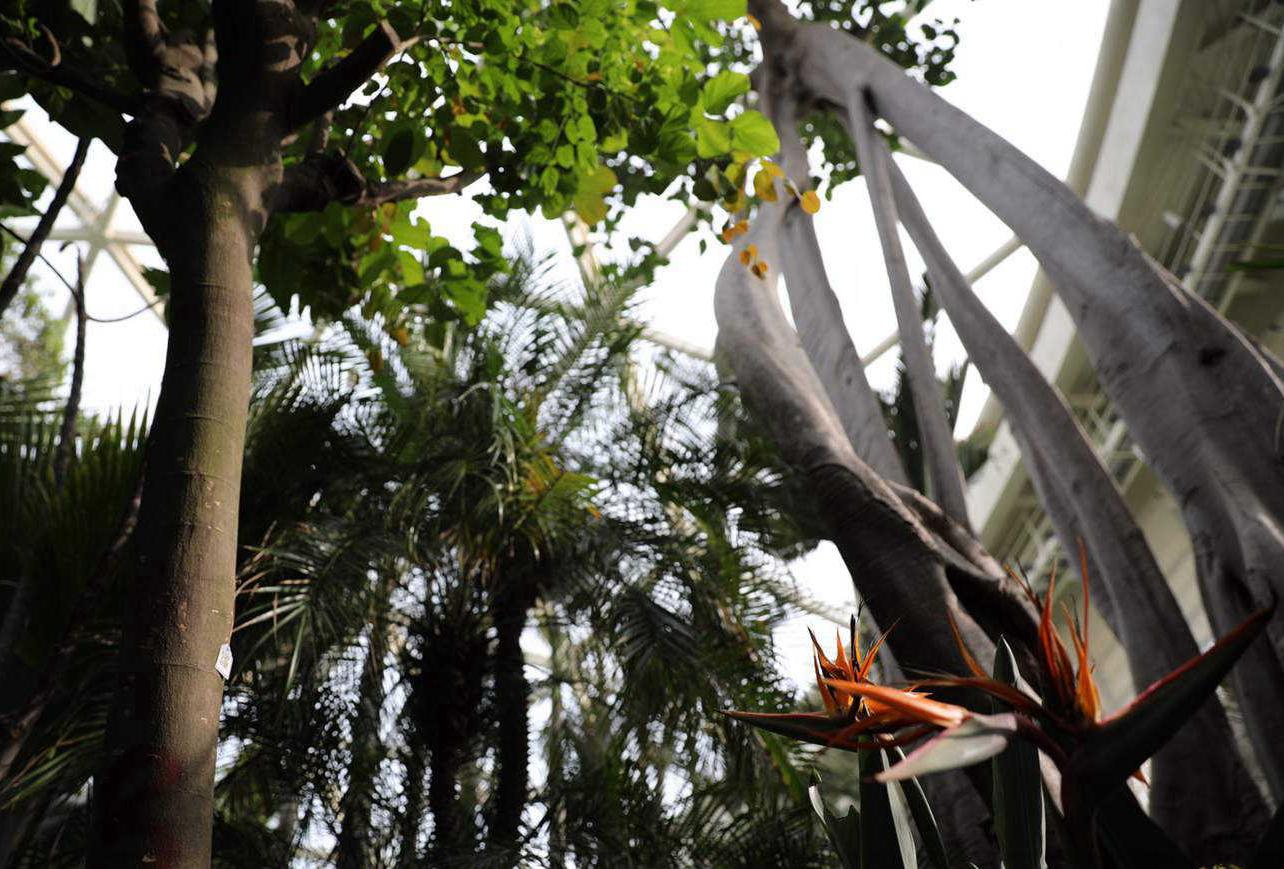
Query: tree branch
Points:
[938, 441]
[67, 431]
[22, 59]
[13, 281]
[144, 35]
[320, 179]
[334, 84]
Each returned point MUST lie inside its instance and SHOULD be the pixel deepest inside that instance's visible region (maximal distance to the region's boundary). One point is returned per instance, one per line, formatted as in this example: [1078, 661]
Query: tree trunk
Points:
[512, 699]
[819, 317]
[940, 456]
[353, 848]
[1130, 590]
[153, 797]
[412, 814]
[13, 281]
[1202, 403]
[891, 557]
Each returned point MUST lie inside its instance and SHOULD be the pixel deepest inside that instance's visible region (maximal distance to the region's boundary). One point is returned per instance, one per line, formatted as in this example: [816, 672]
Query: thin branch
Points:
[18, 274]
[320, 179]
[67, 431]
[72, 287]
[334, 84]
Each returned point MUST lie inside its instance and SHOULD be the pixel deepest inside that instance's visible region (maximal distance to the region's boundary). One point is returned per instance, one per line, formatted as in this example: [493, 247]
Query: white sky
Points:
[1024, 68]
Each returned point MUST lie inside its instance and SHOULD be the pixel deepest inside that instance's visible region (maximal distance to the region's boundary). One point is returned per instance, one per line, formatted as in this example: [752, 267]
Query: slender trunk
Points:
[412, 814]
[67, 431]
[353, 847]
[1201, 402]
[449, 834]
[939, 453]
[153, 797]
[1130, 590]
[512, 699]
[819, 317]
[13, 281]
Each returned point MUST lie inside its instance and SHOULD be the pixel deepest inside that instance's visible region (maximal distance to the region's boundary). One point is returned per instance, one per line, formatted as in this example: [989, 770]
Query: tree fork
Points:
[1202, 403]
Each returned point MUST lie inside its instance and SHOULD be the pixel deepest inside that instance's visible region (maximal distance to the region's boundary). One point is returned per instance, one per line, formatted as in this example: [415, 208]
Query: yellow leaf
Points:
[757, 25]
[764, 186]
[810, 202]
[759, 269]
[749, 254]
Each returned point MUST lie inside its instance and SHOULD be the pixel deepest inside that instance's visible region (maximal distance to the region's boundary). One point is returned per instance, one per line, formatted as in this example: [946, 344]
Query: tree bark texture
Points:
[1129, 589]
[940, 455]
[892, 558]
[818, 316]
[1200, 400]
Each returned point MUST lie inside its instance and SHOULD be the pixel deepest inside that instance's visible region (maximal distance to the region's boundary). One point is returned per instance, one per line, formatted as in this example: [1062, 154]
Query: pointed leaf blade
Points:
[881, 846]
[1118, 747]
[978, 738]
[1018, 786]
[924, 819]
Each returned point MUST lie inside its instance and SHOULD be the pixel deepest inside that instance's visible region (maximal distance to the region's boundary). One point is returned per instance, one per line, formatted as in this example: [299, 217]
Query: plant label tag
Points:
[224, 663]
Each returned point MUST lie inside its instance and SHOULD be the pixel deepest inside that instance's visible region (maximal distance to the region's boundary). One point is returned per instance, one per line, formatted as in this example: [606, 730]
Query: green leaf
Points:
[924, 819]
[843, 833]
[722, 89]
[1018, 786]
[882, 846]
[1131, 839]
[752, 132]
[1103, 761]
[401, 149]
[720, 10]
[159, 279]
[713, 138]
[978, 738]
[590, 197]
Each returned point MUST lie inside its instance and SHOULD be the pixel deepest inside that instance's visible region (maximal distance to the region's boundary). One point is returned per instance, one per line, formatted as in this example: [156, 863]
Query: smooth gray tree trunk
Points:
[1202, 403]
[1129, 589]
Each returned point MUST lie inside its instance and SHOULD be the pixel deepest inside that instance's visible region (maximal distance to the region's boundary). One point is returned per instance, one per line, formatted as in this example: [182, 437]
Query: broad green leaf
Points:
[753, 133]
[1018, 785]
[978, 738]
[722, 89]
[590, 196]
[1130, 839]
[401, 149]
[713, 138]
[720, 10]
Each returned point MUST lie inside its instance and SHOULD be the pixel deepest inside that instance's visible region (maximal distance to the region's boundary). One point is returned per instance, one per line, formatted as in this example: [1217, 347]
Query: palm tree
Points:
[423, 508]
